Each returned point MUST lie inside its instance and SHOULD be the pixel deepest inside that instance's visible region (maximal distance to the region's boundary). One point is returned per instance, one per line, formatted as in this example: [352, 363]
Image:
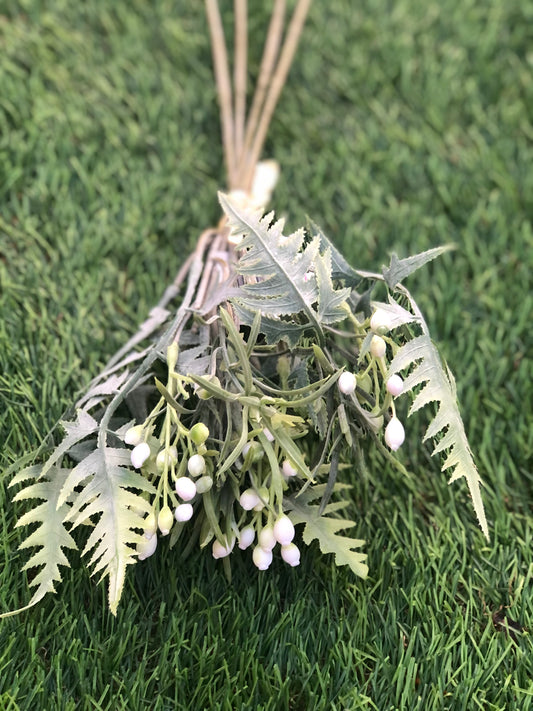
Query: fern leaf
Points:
[340, 268]
[84, 426]
[106, 483]
[439, 387]
[330, 300]
[291, 277]
[399, 269]
[51, 536]
[325, 528]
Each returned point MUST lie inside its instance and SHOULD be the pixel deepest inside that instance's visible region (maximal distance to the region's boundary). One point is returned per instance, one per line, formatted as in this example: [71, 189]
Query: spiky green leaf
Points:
[51, 536]
[284, 275]
[399, 269]
[325, 528]
[108, 494]
[438, 386]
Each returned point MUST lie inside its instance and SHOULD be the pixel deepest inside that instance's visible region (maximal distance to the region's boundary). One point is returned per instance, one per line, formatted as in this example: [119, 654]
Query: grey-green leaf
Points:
[399, 269]
[439, 387]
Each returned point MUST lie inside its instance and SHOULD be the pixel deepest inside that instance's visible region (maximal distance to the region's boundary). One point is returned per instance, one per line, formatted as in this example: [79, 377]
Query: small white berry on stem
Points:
[183, 512]
[347, 383]
[395, 385]
[380, 322]
[394, 434]
[283, 530]
[196, 465]
[140, 454]
[262, 558]
[378, 347]
[291, 554]
[185, 488]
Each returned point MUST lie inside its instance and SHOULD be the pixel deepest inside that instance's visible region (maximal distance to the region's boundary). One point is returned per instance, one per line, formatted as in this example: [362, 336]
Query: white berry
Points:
[249, 499]
[196, 465]
[394, 434]
[380, 322]
[166, 457]
[140, 454]
[347, 383]
[150, 525]
[183, 512]
[146, 548]
[185, 488]
[395, 385]
[283, 530]
[134, 435]
[290, 554]
[262, 558]
[378, 347]
[221, 551]
[287, 469]
[165, 520]
[246, 537]
[267, 539]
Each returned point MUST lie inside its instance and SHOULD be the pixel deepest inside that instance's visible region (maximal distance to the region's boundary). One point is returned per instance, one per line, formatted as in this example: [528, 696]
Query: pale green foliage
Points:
[324, 528]
[105, 480]
[96, 491]
[287, 288]
[439, 387]
[284, 276]
[51, 536]
[399, 269]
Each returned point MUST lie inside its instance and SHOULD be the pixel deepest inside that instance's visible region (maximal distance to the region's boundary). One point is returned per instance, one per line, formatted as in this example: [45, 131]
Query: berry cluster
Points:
[231, 488]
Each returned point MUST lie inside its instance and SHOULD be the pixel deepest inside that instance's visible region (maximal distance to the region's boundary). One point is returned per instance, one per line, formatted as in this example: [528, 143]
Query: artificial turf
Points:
[403, 126]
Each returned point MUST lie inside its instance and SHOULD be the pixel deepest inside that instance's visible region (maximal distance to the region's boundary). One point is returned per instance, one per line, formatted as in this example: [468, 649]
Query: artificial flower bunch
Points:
[229, 419]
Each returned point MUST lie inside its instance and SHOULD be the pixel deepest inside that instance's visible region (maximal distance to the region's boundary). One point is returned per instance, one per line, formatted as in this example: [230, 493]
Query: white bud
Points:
[146, 548]
[246, 537]
[185, 488]
[183, 512]
[165, 520]
[140, 454]
[267, 539]
[394, 434]
[134, 435]
[395, 385]
[291, 554]
[262, 558]
[150, 525]
[380, 322]
[166, 457]
[204, 484]
[268, 434]
[263, 496]
[221, 551]
[283, 530]
[287, 469]
[378, 347]
[347, 383]
[249, 499]
[196, 465]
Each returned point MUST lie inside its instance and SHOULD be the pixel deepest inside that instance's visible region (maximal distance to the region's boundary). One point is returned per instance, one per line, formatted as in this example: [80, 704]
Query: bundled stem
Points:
[243, 139]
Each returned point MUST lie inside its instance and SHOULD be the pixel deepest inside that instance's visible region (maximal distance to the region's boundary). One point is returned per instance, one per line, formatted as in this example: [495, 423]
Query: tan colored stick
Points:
[222, 75]
[270, 53]
[240, 75]
[278, 80]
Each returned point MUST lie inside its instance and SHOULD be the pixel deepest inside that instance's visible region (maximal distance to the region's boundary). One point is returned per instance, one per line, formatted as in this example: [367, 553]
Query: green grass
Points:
[404, 125]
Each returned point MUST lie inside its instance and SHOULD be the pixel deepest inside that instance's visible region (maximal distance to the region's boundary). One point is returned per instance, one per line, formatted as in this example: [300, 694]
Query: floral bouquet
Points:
[228, 419]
